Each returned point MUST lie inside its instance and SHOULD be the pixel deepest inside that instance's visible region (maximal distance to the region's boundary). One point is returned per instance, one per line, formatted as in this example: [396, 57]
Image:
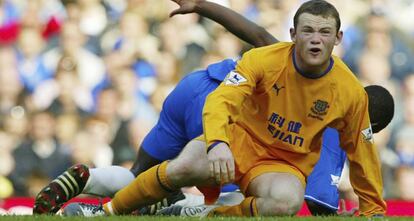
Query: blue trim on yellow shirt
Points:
[310, 75]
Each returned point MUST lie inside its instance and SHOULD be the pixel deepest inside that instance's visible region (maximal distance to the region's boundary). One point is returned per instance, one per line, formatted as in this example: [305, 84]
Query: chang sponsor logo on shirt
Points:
[234, 79]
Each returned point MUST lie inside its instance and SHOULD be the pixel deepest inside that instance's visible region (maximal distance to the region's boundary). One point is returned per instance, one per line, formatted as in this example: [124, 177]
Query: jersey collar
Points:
[309, 75]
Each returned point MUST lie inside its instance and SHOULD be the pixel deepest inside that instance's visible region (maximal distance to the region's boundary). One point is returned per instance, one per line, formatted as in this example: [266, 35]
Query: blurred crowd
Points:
[84, 80]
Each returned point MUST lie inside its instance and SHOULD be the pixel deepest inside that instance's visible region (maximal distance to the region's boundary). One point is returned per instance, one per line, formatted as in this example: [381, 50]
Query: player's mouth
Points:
[315, 51]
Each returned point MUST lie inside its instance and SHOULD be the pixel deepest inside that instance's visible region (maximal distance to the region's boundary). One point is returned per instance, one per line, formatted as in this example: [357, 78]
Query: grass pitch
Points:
[155, 218]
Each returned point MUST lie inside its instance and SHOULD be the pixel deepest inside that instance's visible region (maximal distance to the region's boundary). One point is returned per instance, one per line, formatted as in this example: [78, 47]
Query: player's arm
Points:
[229, 19]
[223, 105]
[364, 163]
[222, 108]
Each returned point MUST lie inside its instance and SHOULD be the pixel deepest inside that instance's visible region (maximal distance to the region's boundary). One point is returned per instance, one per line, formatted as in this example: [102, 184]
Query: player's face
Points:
[315, 38]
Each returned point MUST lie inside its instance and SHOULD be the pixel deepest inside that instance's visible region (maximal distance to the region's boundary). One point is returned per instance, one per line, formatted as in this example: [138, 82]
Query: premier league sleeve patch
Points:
[367, 134]
[234, 79]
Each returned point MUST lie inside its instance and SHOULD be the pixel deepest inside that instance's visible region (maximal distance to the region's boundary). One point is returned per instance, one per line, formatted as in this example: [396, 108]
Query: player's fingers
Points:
[211, 165]
[183, 9]
[342, 205]
[175, 12]
[224, 172]
[230, 169]
[217, 174]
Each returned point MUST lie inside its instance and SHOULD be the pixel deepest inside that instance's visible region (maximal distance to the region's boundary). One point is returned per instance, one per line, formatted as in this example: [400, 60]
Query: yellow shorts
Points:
[252, 160]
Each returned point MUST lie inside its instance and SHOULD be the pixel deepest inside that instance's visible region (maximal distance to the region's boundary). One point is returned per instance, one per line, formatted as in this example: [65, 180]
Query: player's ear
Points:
[339, 36]
[293, 34]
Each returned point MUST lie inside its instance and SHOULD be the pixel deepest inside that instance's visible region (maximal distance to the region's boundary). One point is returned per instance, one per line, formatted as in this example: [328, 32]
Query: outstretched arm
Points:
[229, 19]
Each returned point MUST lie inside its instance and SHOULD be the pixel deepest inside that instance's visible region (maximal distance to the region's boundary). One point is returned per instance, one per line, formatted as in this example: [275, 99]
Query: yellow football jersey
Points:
[286, 112]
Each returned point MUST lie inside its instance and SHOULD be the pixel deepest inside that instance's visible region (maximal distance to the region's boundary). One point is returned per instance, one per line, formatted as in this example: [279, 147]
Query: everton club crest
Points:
[319, 109]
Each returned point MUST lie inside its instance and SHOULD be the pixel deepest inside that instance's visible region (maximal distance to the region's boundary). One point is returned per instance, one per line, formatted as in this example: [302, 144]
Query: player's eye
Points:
[325, 32]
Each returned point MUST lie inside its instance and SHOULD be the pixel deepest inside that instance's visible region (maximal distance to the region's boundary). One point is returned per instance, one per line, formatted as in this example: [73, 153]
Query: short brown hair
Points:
[319, 8]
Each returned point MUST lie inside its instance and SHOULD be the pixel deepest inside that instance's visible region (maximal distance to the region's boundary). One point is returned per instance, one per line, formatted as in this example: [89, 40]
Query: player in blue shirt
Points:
[181, 121]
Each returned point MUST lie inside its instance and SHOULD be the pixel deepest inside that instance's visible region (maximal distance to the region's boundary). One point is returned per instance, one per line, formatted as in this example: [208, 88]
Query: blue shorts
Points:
[322, 183]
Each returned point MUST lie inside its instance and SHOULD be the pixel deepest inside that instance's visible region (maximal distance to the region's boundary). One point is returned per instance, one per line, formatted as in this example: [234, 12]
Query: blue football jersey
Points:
[181, 115]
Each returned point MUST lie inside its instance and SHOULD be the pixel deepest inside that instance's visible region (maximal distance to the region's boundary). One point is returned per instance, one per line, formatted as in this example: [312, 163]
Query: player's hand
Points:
[186, 6]
[344, 212]
[221, 164]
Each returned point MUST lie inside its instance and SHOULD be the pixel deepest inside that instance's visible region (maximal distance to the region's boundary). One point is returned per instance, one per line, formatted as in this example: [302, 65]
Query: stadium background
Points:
[84, 80]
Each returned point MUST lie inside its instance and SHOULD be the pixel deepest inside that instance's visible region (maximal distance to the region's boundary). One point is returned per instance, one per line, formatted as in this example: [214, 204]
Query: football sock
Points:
[106, 181]
[149, 187]
[246, 208]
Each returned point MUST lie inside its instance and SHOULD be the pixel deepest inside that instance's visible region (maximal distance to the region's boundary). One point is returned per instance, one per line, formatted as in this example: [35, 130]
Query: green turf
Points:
[146, 218]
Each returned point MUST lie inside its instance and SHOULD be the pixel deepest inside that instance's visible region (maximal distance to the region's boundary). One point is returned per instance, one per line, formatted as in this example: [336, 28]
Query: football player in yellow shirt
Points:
[263, 127]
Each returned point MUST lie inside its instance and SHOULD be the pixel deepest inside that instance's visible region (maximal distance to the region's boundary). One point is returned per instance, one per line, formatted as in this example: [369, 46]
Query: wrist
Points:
[215, 144]
[199, 5]
[209, 148]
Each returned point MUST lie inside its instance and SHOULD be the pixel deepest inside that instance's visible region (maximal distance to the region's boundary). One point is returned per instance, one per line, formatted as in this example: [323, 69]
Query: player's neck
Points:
[309, 71]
